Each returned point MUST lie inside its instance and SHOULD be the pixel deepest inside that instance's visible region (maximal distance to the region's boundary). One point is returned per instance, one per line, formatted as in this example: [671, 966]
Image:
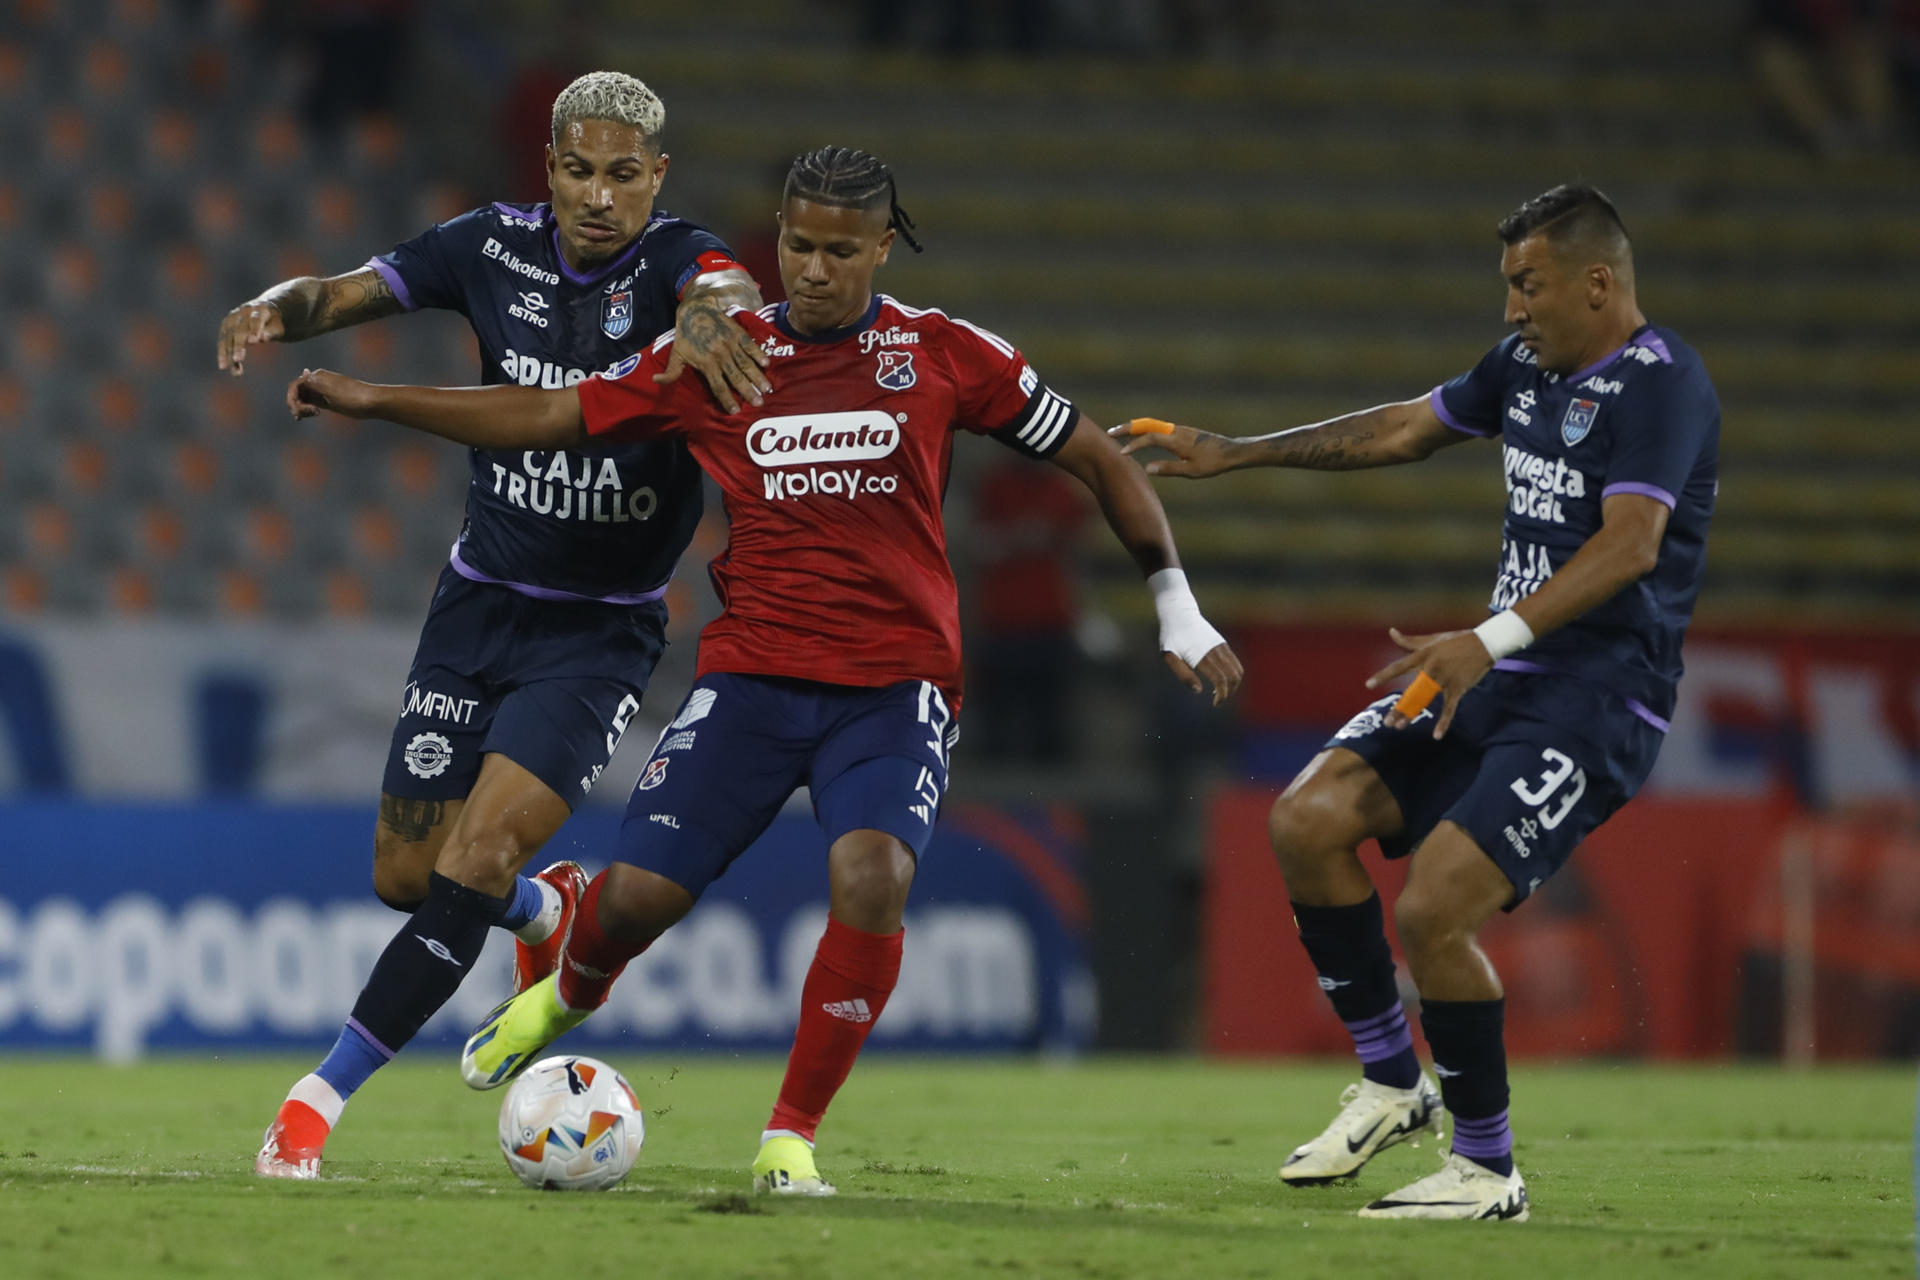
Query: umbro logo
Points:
[439, 949]
[1330, 984]
[1445, 1073]
[855, 1010]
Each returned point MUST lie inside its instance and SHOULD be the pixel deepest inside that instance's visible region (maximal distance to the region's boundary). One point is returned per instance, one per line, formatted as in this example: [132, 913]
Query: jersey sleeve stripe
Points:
[1653, 491]
[1441, 411]
[394, 282]
[999, 343]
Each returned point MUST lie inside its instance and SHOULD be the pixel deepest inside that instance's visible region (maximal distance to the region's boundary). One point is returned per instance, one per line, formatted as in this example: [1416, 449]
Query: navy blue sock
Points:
[523, 904]
[424, 964]
[1348, 947]
[355, 1056]
[1470, 1057]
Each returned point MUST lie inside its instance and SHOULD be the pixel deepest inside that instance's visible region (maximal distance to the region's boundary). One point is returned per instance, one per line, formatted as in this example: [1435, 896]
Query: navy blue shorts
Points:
[871, 758]
[550, 685]
[1528, 791]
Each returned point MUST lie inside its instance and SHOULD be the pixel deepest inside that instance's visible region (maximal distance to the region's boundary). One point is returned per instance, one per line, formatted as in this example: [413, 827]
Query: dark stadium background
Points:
[1239, 214]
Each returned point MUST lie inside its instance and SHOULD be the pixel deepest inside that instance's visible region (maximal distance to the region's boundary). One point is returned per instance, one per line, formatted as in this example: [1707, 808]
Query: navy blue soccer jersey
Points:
[606, 524]
[1643, 419]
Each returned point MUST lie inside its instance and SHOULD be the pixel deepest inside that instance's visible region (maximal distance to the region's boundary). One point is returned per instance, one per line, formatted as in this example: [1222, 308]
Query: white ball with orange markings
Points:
[571, 1124]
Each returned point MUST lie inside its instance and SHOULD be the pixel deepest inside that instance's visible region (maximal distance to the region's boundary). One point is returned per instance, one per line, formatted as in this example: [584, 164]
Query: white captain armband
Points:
[1040, 428]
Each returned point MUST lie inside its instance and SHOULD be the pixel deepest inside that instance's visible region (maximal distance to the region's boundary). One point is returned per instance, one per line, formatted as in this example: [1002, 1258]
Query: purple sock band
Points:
[1487, 1138]
[373, 1041]
[1381, 1036]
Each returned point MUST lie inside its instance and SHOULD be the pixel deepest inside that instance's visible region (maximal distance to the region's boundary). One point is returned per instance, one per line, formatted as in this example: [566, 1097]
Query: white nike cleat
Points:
[1372, 1118]
[1463, 1191]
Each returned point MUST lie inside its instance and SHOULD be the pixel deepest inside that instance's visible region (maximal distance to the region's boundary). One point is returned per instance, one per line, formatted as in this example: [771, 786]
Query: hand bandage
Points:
[1183, 632]
[1504, 633]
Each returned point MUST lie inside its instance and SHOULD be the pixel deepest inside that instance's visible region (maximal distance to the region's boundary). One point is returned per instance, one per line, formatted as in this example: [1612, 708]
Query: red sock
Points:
[852, 975]
[591, 960]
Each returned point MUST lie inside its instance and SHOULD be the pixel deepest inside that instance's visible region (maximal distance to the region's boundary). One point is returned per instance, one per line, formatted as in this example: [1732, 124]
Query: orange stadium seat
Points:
[346, 594]
[129, 590]
[269, 537]
[239, 594]
[64, 136]
[216, 212]
[228, 409]
[295, 260]
[158, 535]
[333, 211]
[23, 589]
[104, 71]
[135, 15]
[35, 342]
[277, 144]
[9, 207]
[372, 350]
[376, 536]
[413, 470]
[184, 272]
[13, 401]
[376, 144]
[117, 405]
[13, 69]
[196, 470]
[73, 276]
[146, 345]
[83, 468]
[107, 209]
[304, 472]
[209, 70]
[49, 532]
[171, 140]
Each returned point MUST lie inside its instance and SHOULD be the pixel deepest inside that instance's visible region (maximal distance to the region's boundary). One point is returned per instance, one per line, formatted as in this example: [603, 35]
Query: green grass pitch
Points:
[987, 1168]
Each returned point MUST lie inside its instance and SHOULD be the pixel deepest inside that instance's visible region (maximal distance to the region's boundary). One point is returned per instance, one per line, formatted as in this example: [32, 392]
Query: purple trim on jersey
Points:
[471, 574]
[519, 215]
[1634, 705]
[1653, 491]
[394, 282]
[1381, 1037]
[599, 273]
[1652, 342]
[1486, 1138]
[1440, 411]
[373, 1041]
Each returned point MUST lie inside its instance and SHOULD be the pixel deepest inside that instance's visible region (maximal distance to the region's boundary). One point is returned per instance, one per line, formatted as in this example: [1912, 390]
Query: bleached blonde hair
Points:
[610, 95]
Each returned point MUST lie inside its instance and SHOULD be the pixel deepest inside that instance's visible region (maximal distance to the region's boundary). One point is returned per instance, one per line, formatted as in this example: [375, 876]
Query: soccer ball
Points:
[571, 1124]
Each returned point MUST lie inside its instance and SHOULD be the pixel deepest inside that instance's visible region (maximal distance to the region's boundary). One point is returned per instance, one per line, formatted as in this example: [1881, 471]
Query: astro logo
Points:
[853, 436]
[531, 304]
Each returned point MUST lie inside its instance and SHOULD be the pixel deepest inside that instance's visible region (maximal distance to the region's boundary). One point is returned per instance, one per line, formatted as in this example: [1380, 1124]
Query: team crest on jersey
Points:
[896, 370]
[652, 776]
[616, 313]
[1579, 420]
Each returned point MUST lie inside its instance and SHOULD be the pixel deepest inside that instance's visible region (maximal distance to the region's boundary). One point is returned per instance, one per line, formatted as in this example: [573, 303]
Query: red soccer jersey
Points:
[836, 562]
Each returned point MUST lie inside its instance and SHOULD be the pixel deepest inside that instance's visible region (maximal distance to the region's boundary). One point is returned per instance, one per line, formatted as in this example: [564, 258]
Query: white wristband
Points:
[1183, 631]
[1504, 633]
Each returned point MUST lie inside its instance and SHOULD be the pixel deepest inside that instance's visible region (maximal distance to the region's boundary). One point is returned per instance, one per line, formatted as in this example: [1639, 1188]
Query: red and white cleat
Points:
[293, 1144]
[533, 961]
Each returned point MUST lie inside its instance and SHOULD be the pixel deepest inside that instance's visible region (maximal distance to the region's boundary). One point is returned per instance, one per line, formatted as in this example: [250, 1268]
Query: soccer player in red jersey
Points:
[835, 662]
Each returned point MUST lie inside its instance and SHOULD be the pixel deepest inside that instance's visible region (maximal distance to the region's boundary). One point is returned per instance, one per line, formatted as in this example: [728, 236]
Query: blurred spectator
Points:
[1022, 654]
[1825, 68]
[359, 51]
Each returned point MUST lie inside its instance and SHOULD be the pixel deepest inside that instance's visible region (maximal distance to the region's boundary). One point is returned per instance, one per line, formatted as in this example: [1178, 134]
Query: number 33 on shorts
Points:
[1563, 778]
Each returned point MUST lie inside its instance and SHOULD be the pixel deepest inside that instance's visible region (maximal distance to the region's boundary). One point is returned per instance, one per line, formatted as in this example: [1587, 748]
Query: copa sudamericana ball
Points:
[571, 1124]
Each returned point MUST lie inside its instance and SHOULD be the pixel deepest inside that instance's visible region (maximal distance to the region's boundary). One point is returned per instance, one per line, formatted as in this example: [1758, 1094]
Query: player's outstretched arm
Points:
[1382, 436]
[1625, 549]
[480, 417]
[708, 339]
[1133, 511]
[302, 308]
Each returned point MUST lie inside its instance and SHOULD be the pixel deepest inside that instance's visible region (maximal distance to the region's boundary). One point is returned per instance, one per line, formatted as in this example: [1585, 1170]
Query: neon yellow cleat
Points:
[512, 1037]
[785, 1167]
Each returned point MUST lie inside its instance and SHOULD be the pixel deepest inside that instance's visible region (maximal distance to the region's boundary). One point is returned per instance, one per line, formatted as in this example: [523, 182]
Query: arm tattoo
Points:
[1341, 444]
[310, 306]
[411, 820]
[702, 325]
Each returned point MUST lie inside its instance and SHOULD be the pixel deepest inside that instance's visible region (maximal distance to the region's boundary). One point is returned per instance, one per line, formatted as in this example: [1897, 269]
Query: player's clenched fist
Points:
[245, 325]
[317, 389]
[1196, 453]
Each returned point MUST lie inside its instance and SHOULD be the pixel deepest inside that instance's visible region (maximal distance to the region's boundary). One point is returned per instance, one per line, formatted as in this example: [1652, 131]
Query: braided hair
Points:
[850, 179]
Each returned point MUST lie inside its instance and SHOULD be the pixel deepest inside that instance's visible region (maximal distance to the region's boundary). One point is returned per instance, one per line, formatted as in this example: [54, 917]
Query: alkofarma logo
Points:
[802, 439]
